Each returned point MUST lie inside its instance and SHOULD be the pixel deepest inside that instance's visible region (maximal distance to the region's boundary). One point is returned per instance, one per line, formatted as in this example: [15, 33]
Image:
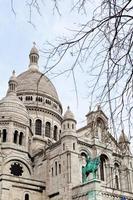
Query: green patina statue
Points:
[91, 167]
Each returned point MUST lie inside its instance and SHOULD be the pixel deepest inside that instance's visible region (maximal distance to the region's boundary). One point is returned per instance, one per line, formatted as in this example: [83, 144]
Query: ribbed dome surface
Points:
[11, 107]
[68, 114]
[35, 82]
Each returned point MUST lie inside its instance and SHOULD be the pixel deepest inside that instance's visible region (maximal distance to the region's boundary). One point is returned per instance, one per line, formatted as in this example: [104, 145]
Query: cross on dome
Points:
[34, 43]
[13, 73]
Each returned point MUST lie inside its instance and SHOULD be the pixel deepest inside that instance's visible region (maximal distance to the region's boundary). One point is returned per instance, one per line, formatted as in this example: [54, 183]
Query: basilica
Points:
[43, 156]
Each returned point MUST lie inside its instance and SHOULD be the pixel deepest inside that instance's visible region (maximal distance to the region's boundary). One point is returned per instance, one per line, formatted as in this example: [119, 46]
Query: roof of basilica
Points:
[33, 81]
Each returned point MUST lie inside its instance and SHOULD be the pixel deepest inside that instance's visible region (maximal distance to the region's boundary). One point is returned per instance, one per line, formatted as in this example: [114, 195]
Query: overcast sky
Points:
[16, 40]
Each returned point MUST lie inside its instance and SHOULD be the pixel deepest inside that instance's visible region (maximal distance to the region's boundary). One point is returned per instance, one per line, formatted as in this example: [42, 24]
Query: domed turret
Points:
[11, 107]
[68, 115]
[69, 140]
[68, 123]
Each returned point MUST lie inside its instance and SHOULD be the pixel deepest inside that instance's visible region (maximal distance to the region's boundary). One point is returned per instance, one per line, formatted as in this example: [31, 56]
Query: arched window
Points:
[52, 171]
[116, 182]
[4, 135]
[63, 146]
[47, 129]
[72, 126]
[21, 138]
[84, 157]
[56, 168]
[116, 175]
[83, 154]
[103, 160]
[55, 133]
[73, 146]
[59, 134]
[15, 139]
[68, 125]
[38, 127]
[59, 168]
[30, 121]
[26, 197]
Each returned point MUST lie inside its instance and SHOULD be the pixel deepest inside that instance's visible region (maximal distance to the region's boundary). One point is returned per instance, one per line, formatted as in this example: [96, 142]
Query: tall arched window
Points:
[116, 182]
[116, 175]
[55, 168]
[38, 127]
[72, 126]
[30, 122]
[47, 129]
[83, 158]
[4, 135]
[15, 139]
[26, 197]
[103, 159]
[59, 168]
[21, 138]
[55, 133]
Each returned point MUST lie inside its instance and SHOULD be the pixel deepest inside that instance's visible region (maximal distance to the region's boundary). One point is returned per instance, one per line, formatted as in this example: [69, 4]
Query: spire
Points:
[123, 138]
[98, 107]
[12, 83]
[34, 56]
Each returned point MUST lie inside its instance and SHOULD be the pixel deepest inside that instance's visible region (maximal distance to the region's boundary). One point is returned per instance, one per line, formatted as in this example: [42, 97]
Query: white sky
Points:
[17, 36]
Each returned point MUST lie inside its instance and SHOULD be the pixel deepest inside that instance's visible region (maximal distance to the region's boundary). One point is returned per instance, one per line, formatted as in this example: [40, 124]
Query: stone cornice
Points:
[85, 144]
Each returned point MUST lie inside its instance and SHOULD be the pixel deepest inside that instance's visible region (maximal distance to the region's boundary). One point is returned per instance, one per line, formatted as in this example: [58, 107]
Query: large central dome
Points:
[33, 81]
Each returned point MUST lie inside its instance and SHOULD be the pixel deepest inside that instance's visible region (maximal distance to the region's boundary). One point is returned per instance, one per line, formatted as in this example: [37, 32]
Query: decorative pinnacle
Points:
[13, 73]
[98, 107]
[34, 44]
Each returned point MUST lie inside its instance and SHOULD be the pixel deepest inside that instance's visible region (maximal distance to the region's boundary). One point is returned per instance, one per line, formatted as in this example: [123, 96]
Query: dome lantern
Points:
[12, 83]
[34, 57]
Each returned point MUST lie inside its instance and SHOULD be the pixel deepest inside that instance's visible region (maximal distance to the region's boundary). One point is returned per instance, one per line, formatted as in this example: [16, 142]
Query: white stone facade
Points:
[42, 153]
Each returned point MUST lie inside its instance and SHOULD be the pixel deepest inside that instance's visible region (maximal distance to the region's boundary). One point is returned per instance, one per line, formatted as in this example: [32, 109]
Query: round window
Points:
[16, 169]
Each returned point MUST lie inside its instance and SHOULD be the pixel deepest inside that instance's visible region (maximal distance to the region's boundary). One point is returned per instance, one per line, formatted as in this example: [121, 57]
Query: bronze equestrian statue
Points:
[91, 167]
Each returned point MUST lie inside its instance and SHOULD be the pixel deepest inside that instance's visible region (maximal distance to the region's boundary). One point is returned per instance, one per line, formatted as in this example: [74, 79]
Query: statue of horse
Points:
[91, 167]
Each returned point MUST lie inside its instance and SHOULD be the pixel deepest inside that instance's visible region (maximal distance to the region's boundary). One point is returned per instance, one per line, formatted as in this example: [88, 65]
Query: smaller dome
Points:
[34, 50]
[123, 138]
[11, 107]
[13, 77]
[68, 114]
